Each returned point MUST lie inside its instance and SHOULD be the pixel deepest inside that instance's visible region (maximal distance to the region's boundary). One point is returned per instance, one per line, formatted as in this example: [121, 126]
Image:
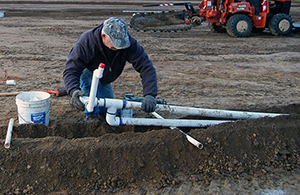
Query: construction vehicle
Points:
[239, 18]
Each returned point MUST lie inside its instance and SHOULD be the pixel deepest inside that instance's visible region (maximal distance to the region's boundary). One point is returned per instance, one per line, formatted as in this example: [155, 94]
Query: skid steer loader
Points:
[240, 18]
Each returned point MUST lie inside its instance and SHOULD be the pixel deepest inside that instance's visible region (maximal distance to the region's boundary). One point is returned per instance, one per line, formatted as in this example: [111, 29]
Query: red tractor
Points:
[240, 18]
[236, 17]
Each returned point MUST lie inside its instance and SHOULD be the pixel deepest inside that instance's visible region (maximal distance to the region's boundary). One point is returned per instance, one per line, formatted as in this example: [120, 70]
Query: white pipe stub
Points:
[97, 74]
[9, 133]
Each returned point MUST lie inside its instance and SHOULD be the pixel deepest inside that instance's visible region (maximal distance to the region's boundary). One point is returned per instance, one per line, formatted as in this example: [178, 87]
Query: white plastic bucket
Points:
[33, 107]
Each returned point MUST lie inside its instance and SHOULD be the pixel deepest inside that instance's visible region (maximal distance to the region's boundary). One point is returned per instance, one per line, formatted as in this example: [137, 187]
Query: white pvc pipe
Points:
[188, 137]
[216, 113]
[170, 122]
[108, 102]
[11, 82]
[9, 133]
[97, 74]
[113, 104]
[204, 112]
[114, 120]
[111, 117]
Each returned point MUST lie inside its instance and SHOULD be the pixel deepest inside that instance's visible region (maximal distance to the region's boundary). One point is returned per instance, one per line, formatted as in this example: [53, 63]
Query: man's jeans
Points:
[103, 91]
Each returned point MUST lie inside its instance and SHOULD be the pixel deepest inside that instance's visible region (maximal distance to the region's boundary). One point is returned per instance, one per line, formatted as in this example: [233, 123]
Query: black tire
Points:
[280, 24]
[239, 25]
[216, 29]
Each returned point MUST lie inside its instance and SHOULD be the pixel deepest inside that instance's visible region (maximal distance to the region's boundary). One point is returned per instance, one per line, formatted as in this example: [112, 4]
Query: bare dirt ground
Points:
[196, 68]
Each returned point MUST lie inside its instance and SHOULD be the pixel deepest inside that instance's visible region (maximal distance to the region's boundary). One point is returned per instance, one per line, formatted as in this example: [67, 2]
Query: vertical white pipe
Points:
[9, 133]
[97, 74]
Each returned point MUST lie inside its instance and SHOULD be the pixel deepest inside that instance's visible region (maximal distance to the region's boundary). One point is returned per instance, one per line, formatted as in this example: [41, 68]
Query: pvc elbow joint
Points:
[111, 117]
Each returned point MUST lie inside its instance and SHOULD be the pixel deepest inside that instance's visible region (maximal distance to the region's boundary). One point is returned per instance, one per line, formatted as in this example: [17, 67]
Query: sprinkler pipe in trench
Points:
[113, 105]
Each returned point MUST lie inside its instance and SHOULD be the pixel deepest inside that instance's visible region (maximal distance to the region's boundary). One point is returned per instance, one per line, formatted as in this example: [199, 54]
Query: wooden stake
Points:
[9, 94]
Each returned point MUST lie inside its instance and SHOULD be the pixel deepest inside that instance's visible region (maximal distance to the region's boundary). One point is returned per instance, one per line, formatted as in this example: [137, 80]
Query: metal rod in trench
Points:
[188, 137]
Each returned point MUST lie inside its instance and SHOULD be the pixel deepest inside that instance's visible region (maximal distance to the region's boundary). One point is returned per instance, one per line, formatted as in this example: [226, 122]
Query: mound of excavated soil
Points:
[97, 158]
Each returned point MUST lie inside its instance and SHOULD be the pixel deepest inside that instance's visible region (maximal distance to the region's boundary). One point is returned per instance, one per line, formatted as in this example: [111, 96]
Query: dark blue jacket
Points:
[89, 52]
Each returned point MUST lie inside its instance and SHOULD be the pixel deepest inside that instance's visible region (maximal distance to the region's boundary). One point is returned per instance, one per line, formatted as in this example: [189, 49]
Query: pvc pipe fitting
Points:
[111, 117]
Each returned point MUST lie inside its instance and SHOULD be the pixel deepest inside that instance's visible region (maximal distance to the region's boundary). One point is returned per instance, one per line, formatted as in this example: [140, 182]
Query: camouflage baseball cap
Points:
[117, 31]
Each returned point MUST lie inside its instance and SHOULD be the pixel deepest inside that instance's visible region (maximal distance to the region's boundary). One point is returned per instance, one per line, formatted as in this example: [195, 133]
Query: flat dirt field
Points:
[195, 68]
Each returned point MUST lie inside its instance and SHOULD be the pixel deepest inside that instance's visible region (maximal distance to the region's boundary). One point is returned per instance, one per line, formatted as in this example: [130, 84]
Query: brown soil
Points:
[196, 68]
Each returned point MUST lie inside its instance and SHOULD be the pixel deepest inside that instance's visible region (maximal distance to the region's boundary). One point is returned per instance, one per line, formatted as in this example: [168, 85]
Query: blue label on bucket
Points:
[38, 117]
[2, 14]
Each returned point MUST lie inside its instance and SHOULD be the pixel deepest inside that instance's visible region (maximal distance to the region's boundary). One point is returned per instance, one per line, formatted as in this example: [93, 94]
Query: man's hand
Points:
[149, 104]
[74, 101]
